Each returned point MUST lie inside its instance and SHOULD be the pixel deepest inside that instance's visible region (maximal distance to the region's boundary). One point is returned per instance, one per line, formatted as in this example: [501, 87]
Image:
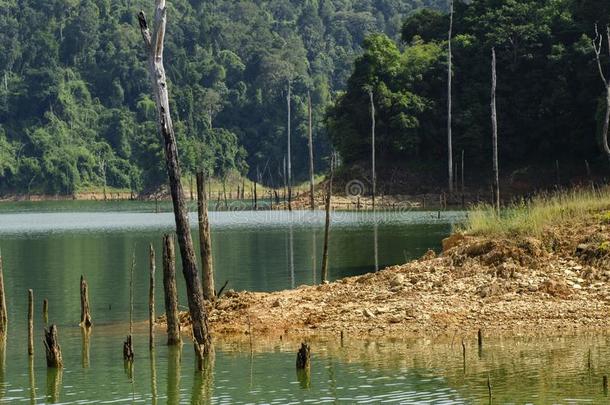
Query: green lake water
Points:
[47, 246]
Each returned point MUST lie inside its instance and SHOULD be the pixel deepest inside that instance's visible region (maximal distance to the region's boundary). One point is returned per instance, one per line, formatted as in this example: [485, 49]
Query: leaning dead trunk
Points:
[329, 193]
[312, 202]
[85, 313]
[494, 126]
[171, 291]
[154, 46]
[205, 239]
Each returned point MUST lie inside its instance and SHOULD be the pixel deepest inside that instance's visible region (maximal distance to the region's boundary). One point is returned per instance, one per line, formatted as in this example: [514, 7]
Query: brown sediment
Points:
[522, 285]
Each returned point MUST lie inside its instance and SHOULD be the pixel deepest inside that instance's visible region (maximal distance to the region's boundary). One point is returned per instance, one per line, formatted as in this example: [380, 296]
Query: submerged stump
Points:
[52, 348]
[304, 357]
[85, 313]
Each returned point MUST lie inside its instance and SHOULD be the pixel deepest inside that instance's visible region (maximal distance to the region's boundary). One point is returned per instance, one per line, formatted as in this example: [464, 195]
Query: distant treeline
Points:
[75, 106]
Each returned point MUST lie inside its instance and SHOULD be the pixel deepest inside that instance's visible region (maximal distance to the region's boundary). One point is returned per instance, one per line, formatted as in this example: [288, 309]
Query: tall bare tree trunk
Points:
[449, 99]
[373, 170]
[312, 202]
[151, 297]
[289, 153]
[329, 193]
[597, 45]
[494, 126]
[154, 45]
[205, 239]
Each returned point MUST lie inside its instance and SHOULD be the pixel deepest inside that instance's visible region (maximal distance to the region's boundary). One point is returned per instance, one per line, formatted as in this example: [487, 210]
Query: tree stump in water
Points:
[304, 357]
[85, 314]
[52, 348]
[128, 349]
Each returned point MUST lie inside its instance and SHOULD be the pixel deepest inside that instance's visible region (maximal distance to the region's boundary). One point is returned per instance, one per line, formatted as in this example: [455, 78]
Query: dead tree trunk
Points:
[45, 312]
[373, 172]
[597, 46]
[449, 99]
[128, 354]
[85, 313]
[289, 153]
[151, 298]
[171, 292]
[494, 126]
[30, 322]
[154, 45]
[3, 310]
[52, 348]
[329, 193]
[205, 239]
[312, 202]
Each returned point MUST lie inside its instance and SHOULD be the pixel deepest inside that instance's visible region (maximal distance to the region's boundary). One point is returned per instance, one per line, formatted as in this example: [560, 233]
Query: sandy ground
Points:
[557, 283]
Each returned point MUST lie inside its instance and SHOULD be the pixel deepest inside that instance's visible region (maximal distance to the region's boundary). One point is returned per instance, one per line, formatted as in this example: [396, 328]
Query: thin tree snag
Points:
[45, 312]
[154, 45]
[304, 357]
[373, 163]
[449, 99]
[151, 298]
[205, 239]
[85, 313]
[329, 193]
[128, 354]
[30, 322]
[494, 126]
[312, 202]
[171, 292]
[597, 46]
[289, 153]
[52, 348]
[3, 310]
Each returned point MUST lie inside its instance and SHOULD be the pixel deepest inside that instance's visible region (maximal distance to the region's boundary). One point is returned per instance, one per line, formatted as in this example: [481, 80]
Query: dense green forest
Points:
[551, 101]
[75, 105]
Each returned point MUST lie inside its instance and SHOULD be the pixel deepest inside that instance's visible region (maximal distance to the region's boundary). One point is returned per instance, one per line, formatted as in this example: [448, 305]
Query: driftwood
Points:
[171, 292]
[52, 348]
[85, 313]
[205, 239]
[154, 42]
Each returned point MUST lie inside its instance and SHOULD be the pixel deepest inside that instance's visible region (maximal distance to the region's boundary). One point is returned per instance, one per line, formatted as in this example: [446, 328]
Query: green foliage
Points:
[549, 92]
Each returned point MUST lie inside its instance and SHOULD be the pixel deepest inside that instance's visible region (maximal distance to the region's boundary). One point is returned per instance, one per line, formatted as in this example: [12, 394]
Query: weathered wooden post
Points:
[329, 192]
[52, 348]
[151, 298]
[128, 354]
[154, 46]
[3, 309]
[171, 292]
[30, 322]
[85, 313]
[205, 239]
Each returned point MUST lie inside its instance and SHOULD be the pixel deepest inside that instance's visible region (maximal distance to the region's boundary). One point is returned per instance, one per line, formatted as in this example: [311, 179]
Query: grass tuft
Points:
[532, 217]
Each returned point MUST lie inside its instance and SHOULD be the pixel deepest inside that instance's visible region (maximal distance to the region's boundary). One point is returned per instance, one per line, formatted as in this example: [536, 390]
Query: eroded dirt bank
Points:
[558, 282]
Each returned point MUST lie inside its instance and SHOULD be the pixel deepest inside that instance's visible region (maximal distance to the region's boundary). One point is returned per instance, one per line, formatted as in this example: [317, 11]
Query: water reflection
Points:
[54, 378]
[203, 382]
[85, 353]
[32, 379]
[153, 375]
[174, 359]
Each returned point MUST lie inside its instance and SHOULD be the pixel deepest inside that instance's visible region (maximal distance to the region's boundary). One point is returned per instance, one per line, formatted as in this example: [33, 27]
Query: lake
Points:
[47, 246]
